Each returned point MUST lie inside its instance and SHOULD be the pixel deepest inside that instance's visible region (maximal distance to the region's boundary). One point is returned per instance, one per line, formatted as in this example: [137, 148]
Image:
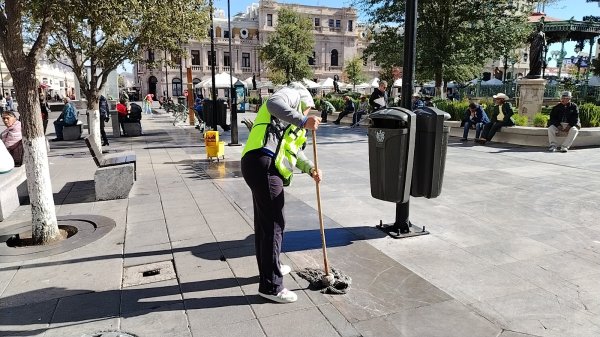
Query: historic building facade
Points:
[338, 37]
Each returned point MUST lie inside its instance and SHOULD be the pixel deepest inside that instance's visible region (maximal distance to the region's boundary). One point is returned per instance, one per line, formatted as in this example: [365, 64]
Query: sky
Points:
[564, 9]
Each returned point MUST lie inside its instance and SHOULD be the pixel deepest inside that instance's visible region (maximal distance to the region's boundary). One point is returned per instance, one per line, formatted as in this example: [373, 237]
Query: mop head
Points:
[340, 285]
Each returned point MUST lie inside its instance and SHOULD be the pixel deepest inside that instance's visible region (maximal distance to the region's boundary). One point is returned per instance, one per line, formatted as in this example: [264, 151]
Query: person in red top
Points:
[123, 112]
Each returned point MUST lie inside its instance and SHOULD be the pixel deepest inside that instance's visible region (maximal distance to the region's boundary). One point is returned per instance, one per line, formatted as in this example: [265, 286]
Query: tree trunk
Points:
[44, 224]
[94, 113]
[439, 78]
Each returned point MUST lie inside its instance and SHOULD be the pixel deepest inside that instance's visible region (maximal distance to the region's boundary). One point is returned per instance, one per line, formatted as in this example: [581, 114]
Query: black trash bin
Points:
[211, 118]
[391, 146]
[182, 100]
[431, 143]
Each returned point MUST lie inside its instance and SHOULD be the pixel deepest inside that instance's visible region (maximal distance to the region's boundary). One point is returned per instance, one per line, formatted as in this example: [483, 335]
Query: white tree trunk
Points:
[95, 126]
[44, 225]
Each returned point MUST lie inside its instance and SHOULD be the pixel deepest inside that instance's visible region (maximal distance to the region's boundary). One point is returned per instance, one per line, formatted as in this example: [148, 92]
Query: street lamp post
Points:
[232, 101]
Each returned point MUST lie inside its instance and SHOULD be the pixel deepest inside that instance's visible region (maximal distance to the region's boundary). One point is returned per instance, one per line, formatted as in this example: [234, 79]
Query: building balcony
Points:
[196, 67]
[246, 70]
[335, 68]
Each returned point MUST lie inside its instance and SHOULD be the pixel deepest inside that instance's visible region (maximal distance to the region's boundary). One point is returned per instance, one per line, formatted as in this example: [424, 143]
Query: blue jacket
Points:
[480, 116]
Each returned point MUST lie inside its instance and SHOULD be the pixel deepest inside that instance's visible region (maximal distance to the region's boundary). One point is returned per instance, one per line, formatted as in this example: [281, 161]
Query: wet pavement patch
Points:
[80, 229]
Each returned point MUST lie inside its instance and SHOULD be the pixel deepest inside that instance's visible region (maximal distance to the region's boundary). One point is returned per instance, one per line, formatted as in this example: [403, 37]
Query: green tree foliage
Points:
[454, 38]
[101, 35]
[289, 47]
[354, 71]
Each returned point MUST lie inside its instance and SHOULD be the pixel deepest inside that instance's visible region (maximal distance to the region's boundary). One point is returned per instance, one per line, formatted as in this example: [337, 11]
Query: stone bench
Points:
[115, 174]
[114, 182]
[530, 136]
[73, 132]
[13, 188]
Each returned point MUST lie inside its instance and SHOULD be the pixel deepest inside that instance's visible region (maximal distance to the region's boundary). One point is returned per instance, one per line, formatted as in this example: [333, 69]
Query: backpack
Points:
[70, 116]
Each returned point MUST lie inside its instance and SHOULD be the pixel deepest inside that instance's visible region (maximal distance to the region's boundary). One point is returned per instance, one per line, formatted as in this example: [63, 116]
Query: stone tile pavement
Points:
[514, 247]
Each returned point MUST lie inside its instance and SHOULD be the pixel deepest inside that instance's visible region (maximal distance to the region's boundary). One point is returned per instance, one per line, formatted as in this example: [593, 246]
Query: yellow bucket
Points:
[216, 151]
[211, 138]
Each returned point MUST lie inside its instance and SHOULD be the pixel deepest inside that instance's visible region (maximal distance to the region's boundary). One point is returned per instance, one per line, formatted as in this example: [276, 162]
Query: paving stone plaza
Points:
[514, 248]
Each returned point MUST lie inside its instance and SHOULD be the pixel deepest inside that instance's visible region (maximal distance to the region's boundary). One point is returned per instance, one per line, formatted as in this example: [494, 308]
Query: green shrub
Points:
[589, 114]
[520, 120]
[456, 109]
[540, 120]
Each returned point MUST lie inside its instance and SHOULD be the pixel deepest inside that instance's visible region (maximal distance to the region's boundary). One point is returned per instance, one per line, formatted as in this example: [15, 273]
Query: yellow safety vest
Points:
[290, 143]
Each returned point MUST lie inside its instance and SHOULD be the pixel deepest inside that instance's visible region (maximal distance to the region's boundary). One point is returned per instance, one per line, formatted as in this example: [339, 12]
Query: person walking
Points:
[274, 147]
[104, 117]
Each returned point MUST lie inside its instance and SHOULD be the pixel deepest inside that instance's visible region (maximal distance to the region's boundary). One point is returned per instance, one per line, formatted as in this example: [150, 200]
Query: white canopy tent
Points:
[310, 84]
[493, 81]
[248, 82]
[397, 83]
[328, 84]
[375, 82]
[222, 80]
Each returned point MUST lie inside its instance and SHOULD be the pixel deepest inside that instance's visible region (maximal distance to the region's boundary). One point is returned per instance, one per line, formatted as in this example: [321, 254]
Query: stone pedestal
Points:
[72, 132]
[531, 97]
[113, 182]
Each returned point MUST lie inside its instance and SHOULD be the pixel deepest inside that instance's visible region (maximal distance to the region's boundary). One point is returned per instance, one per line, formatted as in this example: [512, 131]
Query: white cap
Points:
[305, 96]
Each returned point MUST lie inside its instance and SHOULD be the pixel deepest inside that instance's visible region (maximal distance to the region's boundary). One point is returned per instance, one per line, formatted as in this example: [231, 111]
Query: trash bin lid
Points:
[395, 113]
[433, 112]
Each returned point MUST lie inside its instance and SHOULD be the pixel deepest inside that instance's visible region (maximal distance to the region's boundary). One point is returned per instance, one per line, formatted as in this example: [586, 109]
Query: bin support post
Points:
[401, 227]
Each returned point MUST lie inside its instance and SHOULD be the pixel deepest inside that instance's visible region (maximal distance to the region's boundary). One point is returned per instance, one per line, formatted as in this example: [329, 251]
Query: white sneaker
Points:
[564, 149]
[552, 148]
[284, 296]
[285, 269]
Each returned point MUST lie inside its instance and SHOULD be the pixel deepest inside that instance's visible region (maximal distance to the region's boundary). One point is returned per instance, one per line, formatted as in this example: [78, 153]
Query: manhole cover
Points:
[148, 273]
[109, 334]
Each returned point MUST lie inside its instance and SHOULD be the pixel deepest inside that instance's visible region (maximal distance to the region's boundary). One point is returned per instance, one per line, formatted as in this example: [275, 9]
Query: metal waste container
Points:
[431, 143]
[210, 117]
[391, 147]
[182, 100]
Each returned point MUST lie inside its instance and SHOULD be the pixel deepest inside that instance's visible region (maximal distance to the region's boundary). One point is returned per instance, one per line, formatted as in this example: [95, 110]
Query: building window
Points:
[226, 59]
[246, 60]
[150, 55]
[317, 22]
[226, 34]
[334, 58]
[331, 23]
[210, 59]
[350, 25]
[195, 57]
[311, 59]
[177, 87]
[338, 23]
[270, 20]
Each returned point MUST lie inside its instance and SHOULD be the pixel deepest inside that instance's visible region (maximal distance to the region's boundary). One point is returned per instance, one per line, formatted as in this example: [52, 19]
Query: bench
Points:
[531, 136]
[72, 132]
[115, 174]
[13, 188]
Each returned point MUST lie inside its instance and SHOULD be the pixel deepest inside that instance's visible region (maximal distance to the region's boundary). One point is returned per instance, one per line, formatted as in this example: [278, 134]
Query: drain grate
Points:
[148, 273]
[108, 334]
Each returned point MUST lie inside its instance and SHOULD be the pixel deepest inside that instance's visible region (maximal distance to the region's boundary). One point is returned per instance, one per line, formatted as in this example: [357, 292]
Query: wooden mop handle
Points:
[325, 260]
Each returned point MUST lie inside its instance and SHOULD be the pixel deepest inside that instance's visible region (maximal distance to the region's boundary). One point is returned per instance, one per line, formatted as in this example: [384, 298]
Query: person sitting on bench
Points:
[12, 137]
[68, 117]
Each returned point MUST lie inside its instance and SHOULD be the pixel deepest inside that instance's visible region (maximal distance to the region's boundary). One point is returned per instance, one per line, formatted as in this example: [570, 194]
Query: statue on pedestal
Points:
[537, 48]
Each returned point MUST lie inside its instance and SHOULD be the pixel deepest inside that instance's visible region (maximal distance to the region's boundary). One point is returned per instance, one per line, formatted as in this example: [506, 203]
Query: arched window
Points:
[334, 58]
[196, 90]
[177, 87]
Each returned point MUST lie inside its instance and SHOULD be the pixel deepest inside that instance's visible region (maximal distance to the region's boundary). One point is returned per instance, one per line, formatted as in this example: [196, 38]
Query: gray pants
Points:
[553, 138]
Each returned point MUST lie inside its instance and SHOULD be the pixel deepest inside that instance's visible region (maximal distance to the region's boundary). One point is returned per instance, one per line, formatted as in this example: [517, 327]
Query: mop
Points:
[327, 281]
